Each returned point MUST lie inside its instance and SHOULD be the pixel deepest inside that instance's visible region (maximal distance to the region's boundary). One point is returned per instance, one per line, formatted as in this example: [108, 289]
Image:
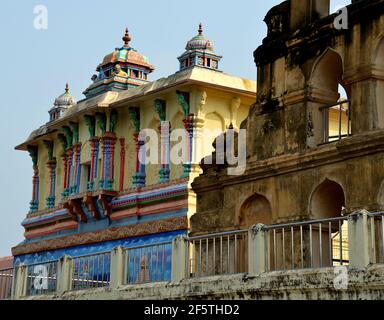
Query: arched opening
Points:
[333, 107]
[328, 200]
[256, 209]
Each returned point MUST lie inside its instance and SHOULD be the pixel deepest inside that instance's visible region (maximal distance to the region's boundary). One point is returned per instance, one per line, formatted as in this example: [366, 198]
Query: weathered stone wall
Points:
[300, 68]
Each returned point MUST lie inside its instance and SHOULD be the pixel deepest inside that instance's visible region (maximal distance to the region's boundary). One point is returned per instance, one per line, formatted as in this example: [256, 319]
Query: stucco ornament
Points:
[118, 72]
[201, 104]
[183, 103]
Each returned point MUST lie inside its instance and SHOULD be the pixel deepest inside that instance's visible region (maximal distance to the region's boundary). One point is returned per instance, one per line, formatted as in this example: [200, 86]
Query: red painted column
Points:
[65, 170]
[122, 163]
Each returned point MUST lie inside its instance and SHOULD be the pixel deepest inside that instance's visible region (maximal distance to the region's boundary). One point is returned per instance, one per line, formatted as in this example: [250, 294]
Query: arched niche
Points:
[327, 76]
[256, 209]
[327, 201]
[328, 120]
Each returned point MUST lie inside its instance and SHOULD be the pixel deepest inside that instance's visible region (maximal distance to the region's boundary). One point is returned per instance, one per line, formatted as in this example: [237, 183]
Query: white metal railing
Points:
[91, 271]
[344, 121]
[41, 278]
[148, 263]
[309, 244]
[376, 231]
[6, 278]
[217, 254]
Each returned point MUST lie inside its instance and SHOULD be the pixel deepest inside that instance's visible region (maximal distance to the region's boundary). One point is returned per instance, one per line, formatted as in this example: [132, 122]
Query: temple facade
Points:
[93, 188]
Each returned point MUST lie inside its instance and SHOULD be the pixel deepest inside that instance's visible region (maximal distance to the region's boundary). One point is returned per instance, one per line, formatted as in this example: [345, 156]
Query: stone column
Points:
[64, 274]
[180, 258]
[358, 238]
[258, 250]
[117, 267]
[19, 287]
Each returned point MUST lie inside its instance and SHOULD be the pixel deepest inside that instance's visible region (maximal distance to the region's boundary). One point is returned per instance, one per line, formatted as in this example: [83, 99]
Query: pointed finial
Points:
[200, 29]
[66, 88]
[126, 38]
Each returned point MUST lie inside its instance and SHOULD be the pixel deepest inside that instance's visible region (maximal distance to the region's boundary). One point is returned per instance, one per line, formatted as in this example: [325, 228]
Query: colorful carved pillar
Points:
[90, 121]
[94, 163]
[108, 142]
[76, 169]
[34, 204]
[63, 141]
[122, 163]
[101, 120]
[51, 164]
[64, 160]
[139, 176]
[183, 98]
[76, 164]
[67, 157]
[165, 151]
[188, 125]
[67, 190]
[164, 172]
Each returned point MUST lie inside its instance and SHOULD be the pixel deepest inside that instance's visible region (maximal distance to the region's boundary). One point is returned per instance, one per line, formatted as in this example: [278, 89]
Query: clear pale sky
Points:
[35, 64]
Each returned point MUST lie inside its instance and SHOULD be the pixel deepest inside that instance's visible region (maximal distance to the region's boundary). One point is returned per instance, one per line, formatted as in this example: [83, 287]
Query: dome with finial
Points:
[65, 100]
[199, 52]
[61, 103]
[120, 70]
[199, 42]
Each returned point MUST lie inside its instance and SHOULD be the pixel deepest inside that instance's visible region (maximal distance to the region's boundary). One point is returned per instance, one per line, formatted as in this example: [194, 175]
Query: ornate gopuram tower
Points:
[315, 136]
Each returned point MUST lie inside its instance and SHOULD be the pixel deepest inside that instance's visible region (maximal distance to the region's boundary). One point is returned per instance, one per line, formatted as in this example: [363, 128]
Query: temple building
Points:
[92, 190]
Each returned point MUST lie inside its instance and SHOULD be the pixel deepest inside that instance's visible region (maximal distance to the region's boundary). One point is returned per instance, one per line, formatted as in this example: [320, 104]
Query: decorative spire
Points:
[126, 38]
[66, 88]
[200, 29]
